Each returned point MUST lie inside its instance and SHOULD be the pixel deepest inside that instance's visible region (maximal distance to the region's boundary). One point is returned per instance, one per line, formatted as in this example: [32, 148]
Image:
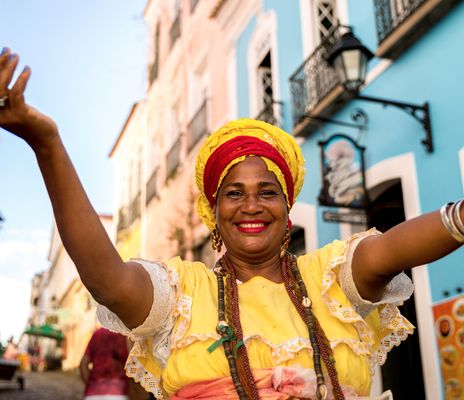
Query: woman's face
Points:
[251, 211]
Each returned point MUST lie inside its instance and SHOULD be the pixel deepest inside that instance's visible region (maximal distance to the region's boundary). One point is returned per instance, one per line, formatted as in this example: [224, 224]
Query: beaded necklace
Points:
[230, 329]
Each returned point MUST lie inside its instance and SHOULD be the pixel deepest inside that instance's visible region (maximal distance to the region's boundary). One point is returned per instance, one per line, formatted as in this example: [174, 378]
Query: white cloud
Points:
[23, 253]
[14, 307]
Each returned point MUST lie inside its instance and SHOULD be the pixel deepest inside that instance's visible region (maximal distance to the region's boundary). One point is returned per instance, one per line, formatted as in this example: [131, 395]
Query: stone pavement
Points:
[50, 385]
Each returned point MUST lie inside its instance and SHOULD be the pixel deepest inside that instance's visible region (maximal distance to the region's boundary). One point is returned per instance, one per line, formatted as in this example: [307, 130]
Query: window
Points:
[267, 104]
[326, 18]
[265, 81]
[174, 32]
[154, 68]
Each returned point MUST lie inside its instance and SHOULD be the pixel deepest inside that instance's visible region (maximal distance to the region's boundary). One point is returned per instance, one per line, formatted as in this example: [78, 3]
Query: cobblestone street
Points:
[52, 385]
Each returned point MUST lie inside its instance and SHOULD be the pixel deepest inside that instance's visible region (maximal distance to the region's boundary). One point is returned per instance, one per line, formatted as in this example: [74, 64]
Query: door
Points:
[402, 372]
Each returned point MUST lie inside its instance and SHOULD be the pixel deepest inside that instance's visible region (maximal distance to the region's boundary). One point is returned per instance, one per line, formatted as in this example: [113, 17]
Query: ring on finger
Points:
[3, 101]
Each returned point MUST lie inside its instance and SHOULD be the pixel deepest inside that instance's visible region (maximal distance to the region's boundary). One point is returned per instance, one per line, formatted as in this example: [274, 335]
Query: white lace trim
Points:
[159, 321]
[135, 370]
[158, 324]
[398, 290]
[390, 316]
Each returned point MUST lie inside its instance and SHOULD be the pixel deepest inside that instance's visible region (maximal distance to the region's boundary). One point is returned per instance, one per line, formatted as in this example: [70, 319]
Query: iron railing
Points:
[173, 158]
[123, 220]
[271, 113]
[174, 32]
[389, 14]
[152, 186]
[314, 79]
[198, 125]
[134, 208]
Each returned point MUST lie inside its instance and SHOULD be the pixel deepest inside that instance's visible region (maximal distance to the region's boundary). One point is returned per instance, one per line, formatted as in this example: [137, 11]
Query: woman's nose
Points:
[251, 204]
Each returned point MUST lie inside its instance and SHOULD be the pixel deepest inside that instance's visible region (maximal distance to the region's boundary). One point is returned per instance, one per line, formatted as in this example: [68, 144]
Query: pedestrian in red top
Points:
[102, 367]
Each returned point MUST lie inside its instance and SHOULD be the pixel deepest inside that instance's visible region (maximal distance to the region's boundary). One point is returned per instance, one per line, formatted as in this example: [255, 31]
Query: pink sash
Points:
[280, 383]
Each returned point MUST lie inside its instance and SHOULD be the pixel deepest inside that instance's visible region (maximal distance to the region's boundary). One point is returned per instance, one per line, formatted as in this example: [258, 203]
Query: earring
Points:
[285, 243]
[216, 241]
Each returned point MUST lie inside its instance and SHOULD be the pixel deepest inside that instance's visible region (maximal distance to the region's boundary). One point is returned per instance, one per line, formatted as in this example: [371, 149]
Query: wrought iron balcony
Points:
[389, 14]
[152, 186]
[400, 23]
[313, 80]
[198, 125]
[134, 208]
[123, 220]
[174, 32]
[271, 113]
[173, 158]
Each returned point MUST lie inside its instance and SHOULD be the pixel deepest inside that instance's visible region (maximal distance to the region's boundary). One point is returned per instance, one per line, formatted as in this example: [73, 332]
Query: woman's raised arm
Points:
[122, 287]
[418, 241]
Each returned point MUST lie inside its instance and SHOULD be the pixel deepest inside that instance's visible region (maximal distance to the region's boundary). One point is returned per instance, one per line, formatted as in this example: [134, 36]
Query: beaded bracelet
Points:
[451, 218]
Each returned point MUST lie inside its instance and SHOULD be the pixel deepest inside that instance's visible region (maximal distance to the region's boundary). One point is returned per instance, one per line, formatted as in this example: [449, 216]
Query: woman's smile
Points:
[255, 226]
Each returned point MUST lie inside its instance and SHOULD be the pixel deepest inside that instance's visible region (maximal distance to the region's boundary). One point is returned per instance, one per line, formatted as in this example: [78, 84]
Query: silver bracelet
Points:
[457, 217]
[448, 223]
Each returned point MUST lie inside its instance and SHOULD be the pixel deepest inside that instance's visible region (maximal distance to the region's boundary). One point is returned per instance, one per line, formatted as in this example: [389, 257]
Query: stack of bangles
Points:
[451, 218]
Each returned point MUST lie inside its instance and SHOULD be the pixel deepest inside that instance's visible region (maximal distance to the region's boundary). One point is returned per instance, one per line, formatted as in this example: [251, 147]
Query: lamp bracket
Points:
[420, 113]
[358, 116]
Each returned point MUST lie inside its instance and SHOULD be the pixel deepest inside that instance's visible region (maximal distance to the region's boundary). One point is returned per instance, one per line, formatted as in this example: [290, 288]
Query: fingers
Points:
[17, 91]
[8, 63]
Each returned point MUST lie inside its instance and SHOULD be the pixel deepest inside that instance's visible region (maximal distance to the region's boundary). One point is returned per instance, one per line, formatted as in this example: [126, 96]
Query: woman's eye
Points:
[234, 193]
[268, 193]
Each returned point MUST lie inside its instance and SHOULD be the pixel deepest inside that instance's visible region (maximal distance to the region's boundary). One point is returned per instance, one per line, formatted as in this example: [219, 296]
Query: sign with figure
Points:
[343, 181]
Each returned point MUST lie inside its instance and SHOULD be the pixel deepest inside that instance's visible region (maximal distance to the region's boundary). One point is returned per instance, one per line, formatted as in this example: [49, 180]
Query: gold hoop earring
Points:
[285, 243]
[216, 240]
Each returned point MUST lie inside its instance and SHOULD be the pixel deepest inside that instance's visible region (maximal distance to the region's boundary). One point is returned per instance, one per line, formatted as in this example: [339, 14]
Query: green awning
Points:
[45, 331]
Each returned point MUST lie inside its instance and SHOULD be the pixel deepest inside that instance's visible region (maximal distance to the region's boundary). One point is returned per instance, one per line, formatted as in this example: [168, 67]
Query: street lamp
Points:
[349, 58]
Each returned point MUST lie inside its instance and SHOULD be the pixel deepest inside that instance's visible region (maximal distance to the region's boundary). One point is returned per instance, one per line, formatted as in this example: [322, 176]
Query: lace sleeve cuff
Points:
[160, 315]
[398, 290]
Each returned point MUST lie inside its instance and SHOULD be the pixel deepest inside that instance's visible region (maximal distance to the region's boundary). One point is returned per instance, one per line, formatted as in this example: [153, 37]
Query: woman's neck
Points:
[269, 269]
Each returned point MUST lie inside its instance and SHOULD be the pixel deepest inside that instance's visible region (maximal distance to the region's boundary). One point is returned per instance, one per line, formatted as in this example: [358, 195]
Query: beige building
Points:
[186, 99]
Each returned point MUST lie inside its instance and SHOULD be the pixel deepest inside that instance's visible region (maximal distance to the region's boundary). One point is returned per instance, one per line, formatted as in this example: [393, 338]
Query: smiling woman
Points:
[252, 218]
[262, 324]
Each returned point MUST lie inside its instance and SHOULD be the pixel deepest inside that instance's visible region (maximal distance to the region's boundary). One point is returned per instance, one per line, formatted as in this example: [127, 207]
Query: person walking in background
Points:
[102, 367]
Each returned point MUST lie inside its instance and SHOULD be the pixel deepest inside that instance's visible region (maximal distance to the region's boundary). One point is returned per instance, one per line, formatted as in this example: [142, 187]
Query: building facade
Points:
[408, 169]
[215, 60]
[185, 100]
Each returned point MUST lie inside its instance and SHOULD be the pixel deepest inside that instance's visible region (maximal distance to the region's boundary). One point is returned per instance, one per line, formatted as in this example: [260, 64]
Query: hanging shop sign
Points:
[343, 179]
[350, 217]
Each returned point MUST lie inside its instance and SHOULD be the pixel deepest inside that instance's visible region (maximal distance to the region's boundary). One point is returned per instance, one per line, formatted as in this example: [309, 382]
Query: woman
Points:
[262, 324]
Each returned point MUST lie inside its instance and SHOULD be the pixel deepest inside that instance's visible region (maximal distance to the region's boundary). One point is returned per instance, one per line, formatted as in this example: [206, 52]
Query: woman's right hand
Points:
[16, 116]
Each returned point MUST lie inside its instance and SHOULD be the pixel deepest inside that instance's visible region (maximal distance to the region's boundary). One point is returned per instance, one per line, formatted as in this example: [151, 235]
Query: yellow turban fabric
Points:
[271, 137]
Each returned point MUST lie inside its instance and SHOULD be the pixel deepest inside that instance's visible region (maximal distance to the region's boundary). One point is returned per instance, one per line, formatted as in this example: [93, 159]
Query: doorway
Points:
[402, 371]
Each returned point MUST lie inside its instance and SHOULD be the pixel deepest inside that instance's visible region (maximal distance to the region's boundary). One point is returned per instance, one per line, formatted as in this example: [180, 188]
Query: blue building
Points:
[278, 72]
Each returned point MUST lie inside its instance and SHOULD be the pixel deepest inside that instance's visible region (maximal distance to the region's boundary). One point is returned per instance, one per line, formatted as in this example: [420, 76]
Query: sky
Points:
[88, 61]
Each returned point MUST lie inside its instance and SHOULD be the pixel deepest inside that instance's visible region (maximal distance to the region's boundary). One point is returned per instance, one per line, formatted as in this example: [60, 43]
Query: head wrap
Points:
[231, 144]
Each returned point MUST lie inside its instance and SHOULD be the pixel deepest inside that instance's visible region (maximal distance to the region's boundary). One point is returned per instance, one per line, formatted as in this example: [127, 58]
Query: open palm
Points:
[16, 116]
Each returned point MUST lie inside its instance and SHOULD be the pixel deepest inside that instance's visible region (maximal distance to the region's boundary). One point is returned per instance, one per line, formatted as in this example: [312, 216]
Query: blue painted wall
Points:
[290, 54]
[431, 70]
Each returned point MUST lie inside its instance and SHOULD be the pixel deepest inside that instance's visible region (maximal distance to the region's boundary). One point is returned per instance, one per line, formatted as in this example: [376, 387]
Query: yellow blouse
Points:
[274, 333]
